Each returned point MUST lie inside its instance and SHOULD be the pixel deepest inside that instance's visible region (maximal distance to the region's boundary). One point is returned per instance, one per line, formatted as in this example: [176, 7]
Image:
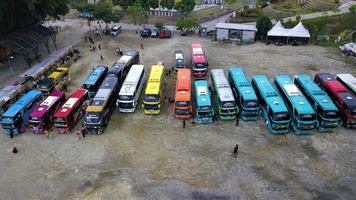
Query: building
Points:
[93, 1]
[239, 33]
[219, 2]
[163, 12]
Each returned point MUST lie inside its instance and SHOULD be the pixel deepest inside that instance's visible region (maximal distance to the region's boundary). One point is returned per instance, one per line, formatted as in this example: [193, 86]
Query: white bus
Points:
[348, 80]
[131, 89]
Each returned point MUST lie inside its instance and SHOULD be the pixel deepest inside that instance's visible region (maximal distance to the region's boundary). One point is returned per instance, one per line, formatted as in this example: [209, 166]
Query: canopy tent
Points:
[298, 32]
[278, 30]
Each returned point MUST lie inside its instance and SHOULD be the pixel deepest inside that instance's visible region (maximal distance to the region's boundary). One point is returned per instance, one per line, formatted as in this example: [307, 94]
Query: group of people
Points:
[92, 46]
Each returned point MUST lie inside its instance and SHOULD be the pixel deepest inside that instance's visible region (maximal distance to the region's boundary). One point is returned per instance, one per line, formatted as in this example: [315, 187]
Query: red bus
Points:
[199, 62]
[183, 104]
[343, 98]
[41, 116]
[71, 111]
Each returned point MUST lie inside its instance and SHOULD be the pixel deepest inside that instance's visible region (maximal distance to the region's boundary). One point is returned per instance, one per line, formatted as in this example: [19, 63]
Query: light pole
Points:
[9, 61]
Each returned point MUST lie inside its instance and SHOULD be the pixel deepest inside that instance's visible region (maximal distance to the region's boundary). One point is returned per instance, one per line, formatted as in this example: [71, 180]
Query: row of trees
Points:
[16, 14]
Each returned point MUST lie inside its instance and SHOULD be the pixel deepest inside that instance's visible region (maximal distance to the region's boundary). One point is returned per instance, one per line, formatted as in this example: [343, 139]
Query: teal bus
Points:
[244, 94]
[223, 95]
[274, 111]
[327, 113]
[302, 113]
[204, 110]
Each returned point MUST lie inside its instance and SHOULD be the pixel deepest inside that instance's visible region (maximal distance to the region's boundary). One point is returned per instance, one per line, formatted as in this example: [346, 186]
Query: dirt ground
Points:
[153, 157]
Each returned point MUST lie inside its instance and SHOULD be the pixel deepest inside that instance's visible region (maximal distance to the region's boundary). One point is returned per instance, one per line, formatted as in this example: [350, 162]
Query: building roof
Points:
[236, 26]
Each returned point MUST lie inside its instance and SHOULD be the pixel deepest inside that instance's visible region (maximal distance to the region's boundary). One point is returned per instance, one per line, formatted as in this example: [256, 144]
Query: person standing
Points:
[237, 119]
[101, 57]
[141, 45]
[183, 123]
[83, 131]
[11, 133]
[235, 152]
[99, 46]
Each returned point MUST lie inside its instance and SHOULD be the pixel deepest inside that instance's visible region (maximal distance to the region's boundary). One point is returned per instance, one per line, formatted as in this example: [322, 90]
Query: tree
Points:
[263, 25]
[159, 25]
[167, 4]
[186, 24]
[124, 3]
[230, 2]
[185, 7]
[137, 13]
[24, 13]
[103, 11]
[152, 3]
[352, 9]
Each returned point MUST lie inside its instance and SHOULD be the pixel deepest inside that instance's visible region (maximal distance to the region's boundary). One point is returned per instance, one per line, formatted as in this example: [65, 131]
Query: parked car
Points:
[349, 49]
[146, 32]
[165, 34]
[115, 30]
[154, 33]
[178, 59]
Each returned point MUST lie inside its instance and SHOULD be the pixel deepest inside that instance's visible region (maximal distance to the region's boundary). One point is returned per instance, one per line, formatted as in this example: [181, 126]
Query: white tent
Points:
[298, 31]
[278, 30]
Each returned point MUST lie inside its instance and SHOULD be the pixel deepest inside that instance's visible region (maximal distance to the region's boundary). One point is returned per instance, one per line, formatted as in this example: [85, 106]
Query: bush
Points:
[159, 25]
[352, 9]
[83, 6]
[263, 25]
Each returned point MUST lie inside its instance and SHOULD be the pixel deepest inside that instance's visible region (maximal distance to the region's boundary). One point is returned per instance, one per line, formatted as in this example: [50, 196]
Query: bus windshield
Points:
[330, 114]
[125, 97]
[182, 103]
[182, 112]
[59, 120]
[206, 108]
[280, 116]
[205, 114]
[126, 105]
[200, 65]
[228, 104]
[306, 117]
[151, 98]
[93, 117]
[89, 87]
[250, 104]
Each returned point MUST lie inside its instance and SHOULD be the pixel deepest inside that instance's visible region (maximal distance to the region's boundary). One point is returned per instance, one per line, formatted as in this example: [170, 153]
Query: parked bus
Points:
[303, 116]
[130, 91]
[223, 95]
[199, 62]
[348, 80]
[204, 108]
[244, 94]
[71, 111]
[342, 97]
[274, 110]
[183, 104]
[57, 80]
[94, 80]
[152, 97]
[41, 116]
[327, 113]
[123, 65]
[178, 59]
[15, 119]
[98, 113]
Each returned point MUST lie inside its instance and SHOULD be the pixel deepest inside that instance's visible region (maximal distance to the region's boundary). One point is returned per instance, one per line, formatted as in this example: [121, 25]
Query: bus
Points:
[41, 116]
[152, 97]
[244, 94]
[348, 80]
[274, 110]
[71, 111]
[303, 117]
[57, 80]
[98, 113]
[123, 65]
[204, 107]
[223, 95]
[94, 80]
[130, 91]
[199, 62]
[327, 113]
[15, 120]
[183, 104]
[342, 97]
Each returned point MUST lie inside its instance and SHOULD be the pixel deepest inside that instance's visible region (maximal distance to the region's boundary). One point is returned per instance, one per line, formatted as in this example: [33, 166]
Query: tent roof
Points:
[298, 31]
[278, 30]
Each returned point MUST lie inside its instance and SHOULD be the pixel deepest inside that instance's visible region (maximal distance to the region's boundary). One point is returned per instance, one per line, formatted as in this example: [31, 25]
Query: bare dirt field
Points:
[153, 157]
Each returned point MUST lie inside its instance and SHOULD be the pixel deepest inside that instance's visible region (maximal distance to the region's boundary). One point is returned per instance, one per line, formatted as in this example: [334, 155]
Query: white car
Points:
[115, 30]
[349, 49]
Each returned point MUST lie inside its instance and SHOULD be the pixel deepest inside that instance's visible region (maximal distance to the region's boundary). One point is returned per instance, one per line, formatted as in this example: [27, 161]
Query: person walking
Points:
[11, 133]
[237, 119]
[99, 46]
[77, 132]
[83, 131]
[235, 152]
[101, 57]
[183, 123]
[141, 45]
[118, 51]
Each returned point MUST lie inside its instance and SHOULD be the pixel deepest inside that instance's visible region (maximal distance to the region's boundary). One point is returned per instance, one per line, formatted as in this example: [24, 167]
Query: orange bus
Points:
[183, 104]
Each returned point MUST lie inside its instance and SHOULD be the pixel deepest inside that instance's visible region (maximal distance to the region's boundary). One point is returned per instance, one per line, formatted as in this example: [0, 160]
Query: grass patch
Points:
[290, 6]
[205, 12]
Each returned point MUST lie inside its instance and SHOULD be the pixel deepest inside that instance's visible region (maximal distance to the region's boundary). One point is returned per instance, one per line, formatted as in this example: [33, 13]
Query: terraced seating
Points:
[275, 14]
[316, 5]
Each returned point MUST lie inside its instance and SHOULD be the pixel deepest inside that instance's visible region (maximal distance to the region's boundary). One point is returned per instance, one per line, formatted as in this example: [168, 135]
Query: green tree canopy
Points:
[104, 11]
[22, 13]
[137, 13]
[167, 4]
[230, 2]
[159, 24]
[124, 3]
[185, 7]
[263, 25]
[186, 24]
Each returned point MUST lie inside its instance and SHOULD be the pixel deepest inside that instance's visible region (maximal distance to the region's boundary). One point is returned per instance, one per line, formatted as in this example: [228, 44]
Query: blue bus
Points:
[328, 115]
[203, 103]
[244, 94]
[302, 113]
[94, 80]
[274, 110]
[15, 119]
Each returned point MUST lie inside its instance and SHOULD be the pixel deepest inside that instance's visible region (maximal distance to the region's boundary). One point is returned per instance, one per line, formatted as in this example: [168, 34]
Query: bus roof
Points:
[183, 85]
[202, 93]
[118, 66]
[156, 73]
[152, 88]
[56, 74]
[319, 95]
[242, 84]
[47, 104]
[99, 102]
[294, 95]
[348, 80]
[269, 93]
[71, 102]
[222, 85]
[21, 103]
[131, 80]
[95, 74]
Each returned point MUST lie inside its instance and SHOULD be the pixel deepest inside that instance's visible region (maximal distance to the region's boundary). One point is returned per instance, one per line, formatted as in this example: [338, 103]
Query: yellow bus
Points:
[152, 97]
[57, 80]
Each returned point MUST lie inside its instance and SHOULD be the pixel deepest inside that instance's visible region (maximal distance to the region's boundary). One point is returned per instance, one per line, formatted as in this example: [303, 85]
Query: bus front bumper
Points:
[204, 120]
[304, 128]
[14, 131]
[249, 115]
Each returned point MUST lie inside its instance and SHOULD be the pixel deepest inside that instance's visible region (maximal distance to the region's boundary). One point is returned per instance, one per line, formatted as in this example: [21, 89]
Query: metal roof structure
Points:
[235, 26]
